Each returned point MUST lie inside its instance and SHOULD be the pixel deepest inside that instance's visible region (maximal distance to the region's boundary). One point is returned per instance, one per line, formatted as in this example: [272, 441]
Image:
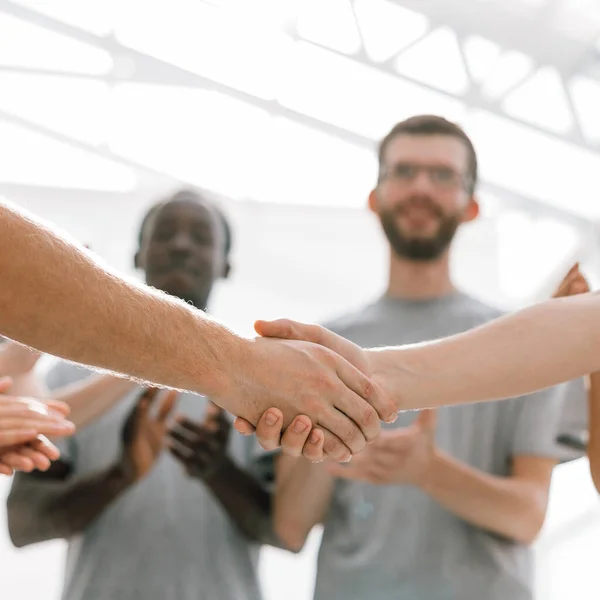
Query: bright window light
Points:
[529, 250]
[578, 19]
[95, 16]
[305, 166]
[586, 98]
[536, 164]
[348, 94]
[387, 28]
[481, 55]
[437, 61]
[330, 23]
[34, 159]
[30, 46]
[511, 68]
[541, 100]
[206, 40]
[74, 107]
[199, 136]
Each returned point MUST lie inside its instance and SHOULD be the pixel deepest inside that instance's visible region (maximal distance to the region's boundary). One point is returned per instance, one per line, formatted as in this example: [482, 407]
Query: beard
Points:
[414, 248]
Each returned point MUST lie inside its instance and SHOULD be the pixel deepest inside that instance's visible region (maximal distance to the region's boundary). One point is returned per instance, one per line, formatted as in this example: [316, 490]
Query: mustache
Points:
[419, 202]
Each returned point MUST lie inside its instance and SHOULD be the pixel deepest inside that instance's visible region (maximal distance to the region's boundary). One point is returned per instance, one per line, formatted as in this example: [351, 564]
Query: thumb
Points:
[292, 330]
[244, 427]
[427, 421]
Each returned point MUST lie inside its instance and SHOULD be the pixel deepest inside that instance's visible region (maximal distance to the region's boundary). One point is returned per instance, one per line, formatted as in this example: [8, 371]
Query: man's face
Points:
[183, 251]
[423, 194]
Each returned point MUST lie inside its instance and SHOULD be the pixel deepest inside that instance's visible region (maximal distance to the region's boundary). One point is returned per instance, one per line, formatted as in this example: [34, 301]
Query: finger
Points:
[292, 330]
[181, 437]
[313, 449]
[46, 447]
[182, 454]
[333, 447]
[166, 407]
[296, 435]
[244, 427]
[17, 461]
[38, 459]
[58, 406]
[12, 437]
[213, 411]
[427, 420]
[5, 384]
[5, 469]
[268, 429]
[367, 405]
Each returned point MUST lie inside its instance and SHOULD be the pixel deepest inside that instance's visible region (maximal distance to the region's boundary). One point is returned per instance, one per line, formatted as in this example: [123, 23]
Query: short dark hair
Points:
[433, 125]
[194, 196]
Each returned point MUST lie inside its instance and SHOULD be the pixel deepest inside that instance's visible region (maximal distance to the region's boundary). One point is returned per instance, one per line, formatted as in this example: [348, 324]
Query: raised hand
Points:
[573, 283]
[401, 456]
[201, 447]
[144, 435]
[23, 419]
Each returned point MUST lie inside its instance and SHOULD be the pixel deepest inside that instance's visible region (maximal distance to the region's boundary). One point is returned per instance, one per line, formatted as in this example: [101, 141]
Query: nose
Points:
[421, 182]
[181, 243]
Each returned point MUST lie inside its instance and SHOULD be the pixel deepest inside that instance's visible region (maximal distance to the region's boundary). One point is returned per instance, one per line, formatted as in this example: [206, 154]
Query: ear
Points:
[373, 203]
[226, 270]
[472, 210]
[137, 260]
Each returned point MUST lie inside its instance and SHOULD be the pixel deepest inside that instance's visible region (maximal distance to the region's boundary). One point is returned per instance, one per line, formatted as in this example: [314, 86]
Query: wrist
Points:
[428, 476]
[220, 470]
[122, 475]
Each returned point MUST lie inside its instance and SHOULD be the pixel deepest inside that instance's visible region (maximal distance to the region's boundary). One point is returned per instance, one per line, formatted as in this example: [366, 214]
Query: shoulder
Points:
[478, 310]
[355, 320]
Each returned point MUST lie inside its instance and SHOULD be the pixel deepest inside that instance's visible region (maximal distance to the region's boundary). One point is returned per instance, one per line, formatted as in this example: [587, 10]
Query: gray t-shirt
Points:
[394, 542]
[166, 538]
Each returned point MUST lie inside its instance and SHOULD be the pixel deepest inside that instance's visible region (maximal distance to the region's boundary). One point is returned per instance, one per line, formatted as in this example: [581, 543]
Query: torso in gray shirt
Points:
[394, 542]
[166, 538]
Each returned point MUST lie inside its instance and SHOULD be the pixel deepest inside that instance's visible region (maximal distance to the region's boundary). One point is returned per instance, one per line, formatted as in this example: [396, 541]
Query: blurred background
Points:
[274, 107]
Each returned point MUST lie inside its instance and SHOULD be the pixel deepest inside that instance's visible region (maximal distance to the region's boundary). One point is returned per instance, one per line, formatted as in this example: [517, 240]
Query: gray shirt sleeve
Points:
[537, 423]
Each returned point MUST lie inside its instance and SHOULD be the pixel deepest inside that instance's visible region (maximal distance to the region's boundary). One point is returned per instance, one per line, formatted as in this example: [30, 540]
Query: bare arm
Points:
[532, 349]
[594, 427]
[303, 494]
[51, 286]
[56, 505]
[55, 297]
[514, 507]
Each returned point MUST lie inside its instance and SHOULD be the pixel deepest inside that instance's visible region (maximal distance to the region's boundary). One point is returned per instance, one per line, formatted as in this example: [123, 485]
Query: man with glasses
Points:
[442, 505]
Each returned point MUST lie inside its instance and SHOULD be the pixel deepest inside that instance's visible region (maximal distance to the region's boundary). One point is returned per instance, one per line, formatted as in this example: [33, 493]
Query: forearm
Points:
[57, 298]
[51, 509]
[505, 506]
[594, 427]
[532, 349]
[91, 398]
[303, 494]
[246, 502]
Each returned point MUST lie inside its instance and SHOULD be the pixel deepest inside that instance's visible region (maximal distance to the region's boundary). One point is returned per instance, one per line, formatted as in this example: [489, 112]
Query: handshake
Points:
[321, 389]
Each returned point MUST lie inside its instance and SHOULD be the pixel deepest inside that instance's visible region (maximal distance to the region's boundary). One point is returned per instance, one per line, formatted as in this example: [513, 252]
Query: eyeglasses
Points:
[444, 178]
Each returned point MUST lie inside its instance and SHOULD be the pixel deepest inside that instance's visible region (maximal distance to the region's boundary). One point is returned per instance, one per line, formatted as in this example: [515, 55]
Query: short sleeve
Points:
[536, 423]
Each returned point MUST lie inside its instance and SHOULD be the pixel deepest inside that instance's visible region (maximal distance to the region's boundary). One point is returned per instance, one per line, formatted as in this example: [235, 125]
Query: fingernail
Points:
[346, 459]
[314, 438]
[392, 418]
[271, 418]
[300, 426]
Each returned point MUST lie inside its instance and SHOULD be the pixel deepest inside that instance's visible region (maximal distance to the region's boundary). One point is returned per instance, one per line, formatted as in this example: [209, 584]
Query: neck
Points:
[419, 280]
